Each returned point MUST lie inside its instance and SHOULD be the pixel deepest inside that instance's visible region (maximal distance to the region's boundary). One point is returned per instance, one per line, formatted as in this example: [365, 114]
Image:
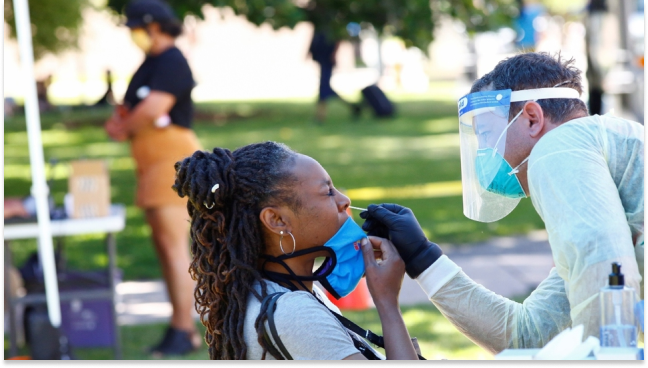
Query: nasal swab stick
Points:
[358, 208]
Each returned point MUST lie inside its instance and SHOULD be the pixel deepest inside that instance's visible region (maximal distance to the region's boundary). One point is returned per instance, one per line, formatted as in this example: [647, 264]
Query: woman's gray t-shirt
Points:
[306, 328]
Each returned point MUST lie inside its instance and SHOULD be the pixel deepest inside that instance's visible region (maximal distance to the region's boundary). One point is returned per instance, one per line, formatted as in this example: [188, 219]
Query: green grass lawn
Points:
[418, 147]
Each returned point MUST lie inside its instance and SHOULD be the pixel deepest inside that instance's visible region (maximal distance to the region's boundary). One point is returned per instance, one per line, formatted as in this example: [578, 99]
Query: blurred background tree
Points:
[55, 24]
[411, 20]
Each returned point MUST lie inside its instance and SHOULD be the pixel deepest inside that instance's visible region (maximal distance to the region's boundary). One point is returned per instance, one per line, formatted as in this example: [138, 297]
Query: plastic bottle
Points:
[618, 328]
[641, 322]
[639, 314]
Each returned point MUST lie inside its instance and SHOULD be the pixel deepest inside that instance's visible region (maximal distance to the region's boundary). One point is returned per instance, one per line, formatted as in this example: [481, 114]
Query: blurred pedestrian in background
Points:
[108, 98]
[322, 49]
[156, 118]
[526, 24]
[41, 93]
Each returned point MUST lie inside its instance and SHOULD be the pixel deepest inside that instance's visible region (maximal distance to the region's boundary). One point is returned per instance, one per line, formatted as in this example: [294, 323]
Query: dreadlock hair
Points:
[536, 70]
[226, 233]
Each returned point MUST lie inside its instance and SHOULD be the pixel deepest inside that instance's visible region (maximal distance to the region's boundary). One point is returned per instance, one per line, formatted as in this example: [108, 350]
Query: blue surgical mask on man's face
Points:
[496, 175]
[349, 268]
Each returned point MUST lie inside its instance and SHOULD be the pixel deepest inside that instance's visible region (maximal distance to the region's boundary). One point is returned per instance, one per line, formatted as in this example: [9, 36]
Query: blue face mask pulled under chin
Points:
[340, 273]
[496, 175]
[348, 271]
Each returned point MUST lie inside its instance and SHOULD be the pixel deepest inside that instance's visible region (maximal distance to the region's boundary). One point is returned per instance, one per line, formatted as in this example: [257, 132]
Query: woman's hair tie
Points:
[213, 190]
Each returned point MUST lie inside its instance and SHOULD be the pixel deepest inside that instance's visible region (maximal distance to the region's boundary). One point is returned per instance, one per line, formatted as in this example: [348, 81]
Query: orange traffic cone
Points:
[359, 299]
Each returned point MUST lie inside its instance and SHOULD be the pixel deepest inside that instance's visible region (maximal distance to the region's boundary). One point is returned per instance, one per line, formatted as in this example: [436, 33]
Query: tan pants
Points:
[156, 150]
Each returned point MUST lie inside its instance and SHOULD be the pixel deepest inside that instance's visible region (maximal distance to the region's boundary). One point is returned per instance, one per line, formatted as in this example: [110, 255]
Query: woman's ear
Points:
[274, 219]
[532, 111]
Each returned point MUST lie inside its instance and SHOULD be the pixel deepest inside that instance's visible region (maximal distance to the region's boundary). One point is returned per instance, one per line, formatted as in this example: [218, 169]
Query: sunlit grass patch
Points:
[437, 337]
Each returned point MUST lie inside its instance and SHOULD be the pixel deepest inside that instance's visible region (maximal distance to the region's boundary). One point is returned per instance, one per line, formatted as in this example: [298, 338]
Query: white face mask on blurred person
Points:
[142, 39]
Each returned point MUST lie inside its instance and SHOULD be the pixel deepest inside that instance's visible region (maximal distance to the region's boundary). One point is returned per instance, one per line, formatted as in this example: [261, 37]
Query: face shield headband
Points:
[491, 190]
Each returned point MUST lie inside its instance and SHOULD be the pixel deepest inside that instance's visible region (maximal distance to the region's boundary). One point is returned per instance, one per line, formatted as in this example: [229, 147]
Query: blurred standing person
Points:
[526, 25]
[108, 97]
[41, 93]
[596, 11]
[156, 118]
[323, 49]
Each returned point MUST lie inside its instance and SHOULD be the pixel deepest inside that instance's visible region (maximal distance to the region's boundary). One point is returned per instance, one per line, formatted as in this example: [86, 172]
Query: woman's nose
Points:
[343, 202]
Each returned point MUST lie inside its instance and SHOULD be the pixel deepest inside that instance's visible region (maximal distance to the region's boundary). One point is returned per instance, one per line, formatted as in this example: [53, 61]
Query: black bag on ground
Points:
[45, 341]
[380, 104]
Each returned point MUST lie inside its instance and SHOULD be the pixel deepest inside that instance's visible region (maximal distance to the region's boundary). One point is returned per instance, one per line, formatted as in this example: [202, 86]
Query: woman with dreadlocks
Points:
[260, 216]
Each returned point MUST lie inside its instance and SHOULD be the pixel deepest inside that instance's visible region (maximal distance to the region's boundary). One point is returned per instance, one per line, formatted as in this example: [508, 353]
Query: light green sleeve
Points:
[492, 321]
[572, 189]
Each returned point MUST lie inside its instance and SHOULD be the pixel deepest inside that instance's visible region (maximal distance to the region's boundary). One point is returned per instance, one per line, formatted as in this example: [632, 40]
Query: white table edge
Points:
[115, 222]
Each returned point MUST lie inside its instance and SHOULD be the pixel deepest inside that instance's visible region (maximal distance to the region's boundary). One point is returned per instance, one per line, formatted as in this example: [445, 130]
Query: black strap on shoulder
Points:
[367, 334]
[363, 347]
[266, 337]
[269, 304]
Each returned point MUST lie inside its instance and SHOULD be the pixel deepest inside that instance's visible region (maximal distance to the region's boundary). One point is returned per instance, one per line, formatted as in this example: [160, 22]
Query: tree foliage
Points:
[55, 24]
[412, 20]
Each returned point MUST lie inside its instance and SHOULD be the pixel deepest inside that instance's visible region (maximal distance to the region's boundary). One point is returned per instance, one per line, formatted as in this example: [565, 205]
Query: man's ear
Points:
[534, 114]
[274, 219]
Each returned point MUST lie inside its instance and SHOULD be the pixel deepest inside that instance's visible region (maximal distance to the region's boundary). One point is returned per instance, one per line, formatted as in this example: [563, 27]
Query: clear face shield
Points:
[491, 189]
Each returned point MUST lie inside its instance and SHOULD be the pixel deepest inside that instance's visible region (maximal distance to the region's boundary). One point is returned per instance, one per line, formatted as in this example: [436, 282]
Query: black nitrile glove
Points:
[398, 224]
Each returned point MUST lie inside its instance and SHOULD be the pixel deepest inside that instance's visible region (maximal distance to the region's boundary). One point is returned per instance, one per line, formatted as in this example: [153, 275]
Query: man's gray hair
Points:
[536, 70]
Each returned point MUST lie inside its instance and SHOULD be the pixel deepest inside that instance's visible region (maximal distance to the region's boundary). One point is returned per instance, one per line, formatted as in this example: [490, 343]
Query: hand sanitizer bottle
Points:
[639, 314]
[618, 328]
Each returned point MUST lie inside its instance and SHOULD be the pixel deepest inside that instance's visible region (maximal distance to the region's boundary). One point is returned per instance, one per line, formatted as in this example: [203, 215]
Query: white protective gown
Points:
[586, 182]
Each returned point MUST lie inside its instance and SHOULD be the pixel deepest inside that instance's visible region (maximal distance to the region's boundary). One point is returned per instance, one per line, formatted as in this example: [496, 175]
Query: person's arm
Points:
[14, 207]
[114, 126]
[156, 104]
[492, 321]
[585, 219]
[384, 280]
[123, 123]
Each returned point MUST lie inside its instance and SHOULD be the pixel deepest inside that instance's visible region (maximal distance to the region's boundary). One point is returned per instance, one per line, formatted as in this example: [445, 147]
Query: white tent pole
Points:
[39, 189]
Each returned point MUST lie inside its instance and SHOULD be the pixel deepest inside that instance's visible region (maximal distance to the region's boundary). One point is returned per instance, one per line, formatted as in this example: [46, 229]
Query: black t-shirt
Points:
[167, 72]
[322, 49]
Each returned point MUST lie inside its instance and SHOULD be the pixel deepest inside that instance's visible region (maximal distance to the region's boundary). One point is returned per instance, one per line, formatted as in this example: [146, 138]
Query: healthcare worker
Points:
[156, 117]
[525, 133]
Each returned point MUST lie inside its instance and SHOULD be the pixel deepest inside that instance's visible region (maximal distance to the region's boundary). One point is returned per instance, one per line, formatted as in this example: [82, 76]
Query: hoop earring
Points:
[281, 246]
